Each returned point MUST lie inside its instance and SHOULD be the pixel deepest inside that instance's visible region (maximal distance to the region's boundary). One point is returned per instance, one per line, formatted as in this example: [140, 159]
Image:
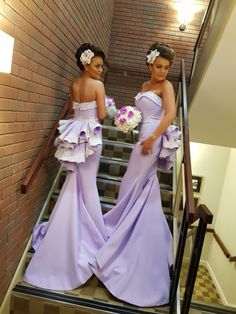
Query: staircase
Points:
[92, 297]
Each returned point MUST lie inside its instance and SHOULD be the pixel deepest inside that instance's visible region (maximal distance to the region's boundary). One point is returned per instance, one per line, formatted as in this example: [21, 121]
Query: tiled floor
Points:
[204, 289]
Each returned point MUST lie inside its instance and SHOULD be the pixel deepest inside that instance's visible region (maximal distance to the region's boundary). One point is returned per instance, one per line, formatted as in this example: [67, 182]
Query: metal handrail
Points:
[206, 19]
[190, 215]
[187, 159]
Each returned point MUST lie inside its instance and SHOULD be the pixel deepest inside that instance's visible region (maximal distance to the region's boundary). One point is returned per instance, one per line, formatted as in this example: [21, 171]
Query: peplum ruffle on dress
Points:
[134, 262]
[78, 140]
[75, 231]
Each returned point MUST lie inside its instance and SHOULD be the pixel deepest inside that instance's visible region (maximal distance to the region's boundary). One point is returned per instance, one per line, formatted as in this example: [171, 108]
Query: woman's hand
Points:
[147, 145]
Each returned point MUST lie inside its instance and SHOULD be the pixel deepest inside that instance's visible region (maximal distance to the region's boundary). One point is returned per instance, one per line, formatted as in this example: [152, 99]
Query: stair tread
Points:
[118, 143]
[108, 176]
[111, 201]
[116, 160]
[107, 199]
[114, 128]
[121, 161]
[165, 188]
[98, 299]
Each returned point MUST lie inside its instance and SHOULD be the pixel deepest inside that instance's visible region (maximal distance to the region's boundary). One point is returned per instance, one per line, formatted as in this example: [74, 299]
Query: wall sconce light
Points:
[186, 10]
[6, 52]
[182, 27]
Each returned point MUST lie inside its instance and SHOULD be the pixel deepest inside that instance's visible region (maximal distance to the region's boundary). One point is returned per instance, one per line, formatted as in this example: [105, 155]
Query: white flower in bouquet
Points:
[127, 118]
[111, 109]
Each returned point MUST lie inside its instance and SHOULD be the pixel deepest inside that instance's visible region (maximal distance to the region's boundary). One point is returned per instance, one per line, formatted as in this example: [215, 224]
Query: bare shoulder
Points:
[145, 85]
[75, 85]
[97, 84]
[167, 90]
[76, 82]
[167, 85]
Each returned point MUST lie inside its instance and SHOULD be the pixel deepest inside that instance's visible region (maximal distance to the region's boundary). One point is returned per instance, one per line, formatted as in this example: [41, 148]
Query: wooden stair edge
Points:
[84, 303]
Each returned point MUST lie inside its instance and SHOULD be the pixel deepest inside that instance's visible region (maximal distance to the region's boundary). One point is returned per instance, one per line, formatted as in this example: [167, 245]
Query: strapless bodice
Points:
[85, 110]
[152, 112]
[150, 106]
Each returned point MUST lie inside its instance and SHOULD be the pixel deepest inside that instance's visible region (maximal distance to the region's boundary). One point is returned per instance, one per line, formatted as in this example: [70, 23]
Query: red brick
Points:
[7, 191]
[4, 162]
[6, 25]
[7, 92]
[3, 128]
[46, 37]
[5, 183]
[7, 116]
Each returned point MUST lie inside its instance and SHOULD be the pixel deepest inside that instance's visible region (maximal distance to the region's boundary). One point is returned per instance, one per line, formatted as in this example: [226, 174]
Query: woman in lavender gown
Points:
[76, 229]
[134, 262]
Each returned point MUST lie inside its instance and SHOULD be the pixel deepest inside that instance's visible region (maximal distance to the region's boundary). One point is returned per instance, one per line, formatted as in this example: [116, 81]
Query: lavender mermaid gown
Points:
[134, 263]
[76, 229]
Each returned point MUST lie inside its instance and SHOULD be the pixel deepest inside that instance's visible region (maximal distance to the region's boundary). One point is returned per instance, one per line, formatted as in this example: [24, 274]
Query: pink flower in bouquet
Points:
[122, 121]
[110, 101]
[123, 110]
[117, 115]
[127, 118]
[110, 107]
[130, 114]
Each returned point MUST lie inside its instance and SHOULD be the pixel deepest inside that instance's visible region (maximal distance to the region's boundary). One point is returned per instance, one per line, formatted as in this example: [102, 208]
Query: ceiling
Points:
[212, 93]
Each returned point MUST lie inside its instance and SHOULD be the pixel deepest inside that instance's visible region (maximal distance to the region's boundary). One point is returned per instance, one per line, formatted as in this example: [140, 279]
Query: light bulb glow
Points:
[186, 10]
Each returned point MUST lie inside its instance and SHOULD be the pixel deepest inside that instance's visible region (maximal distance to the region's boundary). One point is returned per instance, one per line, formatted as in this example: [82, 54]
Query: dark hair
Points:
[165, 51]
[97, 53]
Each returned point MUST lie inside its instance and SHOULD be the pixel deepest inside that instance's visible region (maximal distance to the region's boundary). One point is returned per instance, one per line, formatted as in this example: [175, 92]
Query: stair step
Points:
[91, 298]
[106, 207]
[113, 133]
[118, 143]
[113, 160]
[115, 128]
[124, 162]
[121, 162]
[116, 180]
[103, 175]
[107, 200]
[117, 149]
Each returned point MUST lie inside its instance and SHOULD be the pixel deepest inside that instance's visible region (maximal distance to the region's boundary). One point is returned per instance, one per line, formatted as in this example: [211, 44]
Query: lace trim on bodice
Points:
[84, 105]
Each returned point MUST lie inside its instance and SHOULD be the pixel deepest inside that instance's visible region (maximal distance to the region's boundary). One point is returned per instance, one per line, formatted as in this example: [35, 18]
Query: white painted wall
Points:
[218, 167]
[226, 219]
[225, 227]
[210, 162]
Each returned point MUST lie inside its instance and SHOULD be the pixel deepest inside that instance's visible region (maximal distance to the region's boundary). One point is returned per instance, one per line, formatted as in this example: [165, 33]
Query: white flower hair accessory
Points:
[151, 57]
[86, 57]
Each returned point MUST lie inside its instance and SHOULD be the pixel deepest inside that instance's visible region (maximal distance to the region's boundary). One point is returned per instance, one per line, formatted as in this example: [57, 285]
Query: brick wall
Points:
[136, 25]
[47, 34]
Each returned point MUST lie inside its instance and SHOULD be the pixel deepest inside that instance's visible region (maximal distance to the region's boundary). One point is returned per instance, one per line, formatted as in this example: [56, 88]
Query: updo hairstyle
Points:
[165, 51]
[97, 53]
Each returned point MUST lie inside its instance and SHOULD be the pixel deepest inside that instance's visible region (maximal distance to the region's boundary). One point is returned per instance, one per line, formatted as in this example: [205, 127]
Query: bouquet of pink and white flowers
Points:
[110, 107]
[127, 118]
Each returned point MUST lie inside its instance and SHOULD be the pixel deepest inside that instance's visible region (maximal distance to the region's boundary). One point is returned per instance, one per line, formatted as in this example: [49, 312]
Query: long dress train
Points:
[134, 263]
[75, 231]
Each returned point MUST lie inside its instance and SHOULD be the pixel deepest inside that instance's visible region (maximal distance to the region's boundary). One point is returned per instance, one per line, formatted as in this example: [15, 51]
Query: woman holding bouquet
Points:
[134, 263]
[76, 230]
